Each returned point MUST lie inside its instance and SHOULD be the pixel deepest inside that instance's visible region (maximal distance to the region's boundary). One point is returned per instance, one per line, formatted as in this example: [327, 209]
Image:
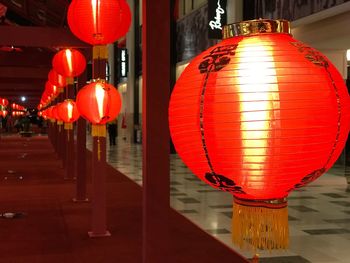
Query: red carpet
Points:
[54, 228]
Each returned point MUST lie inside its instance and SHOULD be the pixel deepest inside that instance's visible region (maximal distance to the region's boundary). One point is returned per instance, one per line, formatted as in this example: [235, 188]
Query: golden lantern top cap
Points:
[257, 26]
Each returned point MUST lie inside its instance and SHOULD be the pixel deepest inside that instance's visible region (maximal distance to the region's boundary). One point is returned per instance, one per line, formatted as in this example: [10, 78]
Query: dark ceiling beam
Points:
[26, 59]
[37, 81]
[21, 87]
[30, 36]
[24, 72]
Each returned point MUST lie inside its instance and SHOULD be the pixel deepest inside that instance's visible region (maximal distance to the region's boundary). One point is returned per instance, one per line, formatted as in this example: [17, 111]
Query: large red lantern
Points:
[69, 62]
[258, 115]
[99, 102]
[91, 20]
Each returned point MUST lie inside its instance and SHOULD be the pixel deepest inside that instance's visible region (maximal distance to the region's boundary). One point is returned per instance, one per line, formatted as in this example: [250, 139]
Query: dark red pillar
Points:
[80, 195]
[155, 162]
[98, 220]
[69, 134]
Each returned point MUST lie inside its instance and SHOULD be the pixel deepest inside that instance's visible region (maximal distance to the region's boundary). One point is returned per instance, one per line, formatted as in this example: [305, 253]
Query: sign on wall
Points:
[217, 18]
[123, 62]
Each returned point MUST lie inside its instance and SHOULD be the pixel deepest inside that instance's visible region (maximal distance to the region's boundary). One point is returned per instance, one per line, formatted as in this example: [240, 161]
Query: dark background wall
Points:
[192, 34]
[286, 9]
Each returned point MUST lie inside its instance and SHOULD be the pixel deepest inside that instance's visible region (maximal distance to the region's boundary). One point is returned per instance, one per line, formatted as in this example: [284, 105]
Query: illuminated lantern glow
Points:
[245, 118]
[68, 112]
[4, 102]
[51, 89]
[69, 63]
[4, 113]
[99, 102]
[56, 79]
[91, 20]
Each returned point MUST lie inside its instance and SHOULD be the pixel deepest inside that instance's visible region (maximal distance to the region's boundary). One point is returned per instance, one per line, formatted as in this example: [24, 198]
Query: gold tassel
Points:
[69, 81]
[68, 126]
[59, 123]
[100, 51]
[98, 131]
[260, 225]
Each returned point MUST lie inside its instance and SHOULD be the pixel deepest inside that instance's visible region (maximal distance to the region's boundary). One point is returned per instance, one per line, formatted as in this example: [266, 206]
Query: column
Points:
[155, 98]
[80, 195]
[98, 197]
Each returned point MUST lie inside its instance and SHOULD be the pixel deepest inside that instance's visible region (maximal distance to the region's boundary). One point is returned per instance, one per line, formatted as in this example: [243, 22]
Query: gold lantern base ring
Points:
[261, 224]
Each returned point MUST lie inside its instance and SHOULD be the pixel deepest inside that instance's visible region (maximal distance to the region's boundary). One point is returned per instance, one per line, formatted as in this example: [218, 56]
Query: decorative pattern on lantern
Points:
[91, 20]
[69, 63]
[99, 102]
[245, 118]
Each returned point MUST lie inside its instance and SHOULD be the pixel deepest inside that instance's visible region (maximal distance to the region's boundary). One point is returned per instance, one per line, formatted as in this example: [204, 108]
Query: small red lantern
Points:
[56, 79]
[4, 113]
[51, 89]
[69, 62]
[245, 119]
[91, 20]
[99, 102]
[68, 111]
[4, 102]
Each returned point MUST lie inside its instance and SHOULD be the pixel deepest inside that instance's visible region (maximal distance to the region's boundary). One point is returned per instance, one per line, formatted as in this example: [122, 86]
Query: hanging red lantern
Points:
[56, 79]
[4, 113]
[69, 62]
[51, 89]
[4, 102]
[68, 112]
[91, 20]
[245, 119]
[99, 102]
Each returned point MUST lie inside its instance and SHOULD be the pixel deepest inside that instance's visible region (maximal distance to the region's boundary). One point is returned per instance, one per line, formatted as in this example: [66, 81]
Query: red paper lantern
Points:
[51, 89]
[69, 62]
[4, 102]
[258, 115]
[99, 102]
[56, 79]
[99, 22]
[68, 111]
[54, 113]
[4, 113]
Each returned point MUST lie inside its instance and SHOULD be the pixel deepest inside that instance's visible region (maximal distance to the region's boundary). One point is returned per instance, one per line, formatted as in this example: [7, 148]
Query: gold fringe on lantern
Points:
[98, 131]
[69, 81]
[260, 224]
[100, 51]
[68, 126]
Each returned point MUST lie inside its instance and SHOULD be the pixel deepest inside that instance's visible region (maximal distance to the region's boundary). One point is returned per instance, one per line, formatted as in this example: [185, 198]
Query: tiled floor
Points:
[319, 215]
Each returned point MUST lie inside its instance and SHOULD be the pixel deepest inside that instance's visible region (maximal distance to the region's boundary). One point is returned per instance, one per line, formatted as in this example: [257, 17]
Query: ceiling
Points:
[24, 63]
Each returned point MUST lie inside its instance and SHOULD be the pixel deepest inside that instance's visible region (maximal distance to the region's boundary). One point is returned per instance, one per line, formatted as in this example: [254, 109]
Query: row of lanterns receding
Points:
[16, 109]
[98, 102]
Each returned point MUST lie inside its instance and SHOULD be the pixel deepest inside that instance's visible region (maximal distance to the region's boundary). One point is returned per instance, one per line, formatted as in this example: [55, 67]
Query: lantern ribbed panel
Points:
[99, 22]
[270, 115]
[99, 111]
[68, 115]
[69, 66]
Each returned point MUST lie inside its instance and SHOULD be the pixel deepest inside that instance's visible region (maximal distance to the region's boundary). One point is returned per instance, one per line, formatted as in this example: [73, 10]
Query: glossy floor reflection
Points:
[319, 214]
